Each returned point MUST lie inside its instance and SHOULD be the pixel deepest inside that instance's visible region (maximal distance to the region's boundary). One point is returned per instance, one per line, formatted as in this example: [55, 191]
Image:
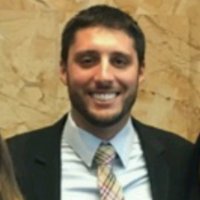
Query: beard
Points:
[80, 106]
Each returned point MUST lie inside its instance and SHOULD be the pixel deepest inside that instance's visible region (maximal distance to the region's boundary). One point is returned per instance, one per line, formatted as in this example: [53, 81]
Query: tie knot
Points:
[104, 155]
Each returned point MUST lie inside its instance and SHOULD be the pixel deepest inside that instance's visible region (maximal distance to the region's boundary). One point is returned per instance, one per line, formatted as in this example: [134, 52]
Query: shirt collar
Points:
[86, 144]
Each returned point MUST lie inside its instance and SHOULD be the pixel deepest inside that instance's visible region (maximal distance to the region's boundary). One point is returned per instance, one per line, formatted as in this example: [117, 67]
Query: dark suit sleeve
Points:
[195, 173]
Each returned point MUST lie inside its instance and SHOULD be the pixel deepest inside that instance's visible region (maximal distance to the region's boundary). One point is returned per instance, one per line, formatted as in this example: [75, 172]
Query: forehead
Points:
[99, 36]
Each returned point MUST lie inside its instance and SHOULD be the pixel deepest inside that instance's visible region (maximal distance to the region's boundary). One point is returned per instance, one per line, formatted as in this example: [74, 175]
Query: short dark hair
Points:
[106, 16]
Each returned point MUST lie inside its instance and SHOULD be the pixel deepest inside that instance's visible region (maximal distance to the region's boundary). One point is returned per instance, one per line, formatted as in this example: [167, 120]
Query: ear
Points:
[141, 72]
[63, 73]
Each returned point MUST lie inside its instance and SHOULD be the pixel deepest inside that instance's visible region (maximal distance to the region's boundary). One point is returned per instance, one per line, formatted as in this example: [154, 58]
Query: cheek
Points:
[130, 78]
[79, 77]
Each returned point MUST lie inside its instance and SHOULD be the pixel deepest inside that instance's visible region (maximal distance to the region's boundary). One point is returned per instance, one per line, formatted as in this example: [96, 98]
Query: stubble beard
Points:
[102, 122]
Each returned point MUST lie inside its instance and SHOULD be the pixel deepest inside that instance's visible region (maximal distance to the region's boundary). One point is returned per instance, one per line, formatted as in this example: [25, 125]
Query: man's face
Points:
[102, 74]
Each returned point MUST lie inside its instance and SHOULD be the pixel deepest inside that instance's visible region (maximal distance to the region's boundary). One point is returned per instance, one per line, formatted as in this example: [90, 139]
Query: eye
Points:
[120, 60]
[87, 59]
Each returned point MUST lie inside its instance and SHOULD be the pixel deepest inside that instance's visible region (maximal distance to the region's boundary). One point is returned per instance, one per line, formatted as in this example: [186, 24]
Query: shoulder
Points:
[197, 154]
[36, 137]
[169, 139]
[198, 143]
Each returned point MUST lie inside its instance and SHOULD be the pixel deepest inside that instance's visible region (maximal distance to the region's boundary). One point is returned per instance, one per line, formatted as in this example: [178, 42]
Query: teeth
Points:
[104, 97]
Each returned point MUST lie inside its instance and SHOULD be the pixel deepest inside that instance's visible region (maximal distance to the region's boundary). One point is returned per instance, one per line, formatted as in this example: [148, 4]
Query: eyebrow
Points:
[121, 53]
[83, 52]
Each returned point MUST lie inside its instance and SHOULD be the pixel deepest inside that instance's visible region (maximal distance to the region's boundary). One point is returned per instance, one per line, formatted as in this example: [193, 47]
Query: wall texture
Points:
[32, 96]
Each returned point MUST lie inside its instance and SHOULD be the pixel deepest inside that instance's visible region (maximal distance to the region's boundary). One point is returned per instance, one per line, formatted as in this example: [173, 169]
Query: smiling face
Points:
[102, 74]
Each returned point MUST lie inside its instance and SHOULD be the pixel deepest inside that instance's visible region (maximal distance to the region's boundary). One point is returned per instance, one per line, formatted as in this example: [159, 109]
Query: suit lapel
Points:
[45, 164]
[157, 166]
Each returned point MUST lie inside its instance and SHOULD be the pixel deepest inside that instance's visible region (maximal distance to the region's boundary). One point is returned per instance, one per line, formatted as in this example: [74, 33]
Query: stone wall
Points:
[32, 96]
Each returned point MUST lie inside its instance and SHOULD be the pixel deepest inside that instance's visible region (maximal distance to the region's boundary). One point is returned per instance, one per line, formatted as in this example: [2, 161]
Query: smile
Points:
[104, 96]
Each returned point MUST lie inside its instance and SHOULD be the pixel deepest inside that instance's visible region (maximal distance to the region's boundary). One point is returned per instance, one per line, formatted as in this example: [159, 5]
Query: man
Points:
[102, 64]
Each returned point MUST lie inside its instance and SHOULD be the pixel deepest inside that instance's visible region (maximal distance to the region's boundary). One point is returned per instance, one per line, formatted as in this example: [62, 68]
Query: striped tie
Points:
[108, 185]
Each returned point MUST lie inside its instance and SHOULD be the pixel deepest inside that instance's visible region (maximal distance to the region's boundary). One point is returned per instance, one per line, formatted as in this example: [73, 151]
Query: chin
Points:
[103, 120]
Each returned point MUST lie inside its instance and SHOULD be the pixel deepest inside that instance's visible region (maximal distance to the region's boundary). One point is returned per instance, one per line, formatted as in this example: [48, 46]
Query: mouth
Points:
[104, 96]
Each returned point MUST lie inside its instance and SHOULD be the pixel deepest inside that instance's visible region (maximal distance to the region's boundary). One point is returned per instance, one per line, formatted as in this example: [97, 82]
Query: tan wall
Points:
[32, 96]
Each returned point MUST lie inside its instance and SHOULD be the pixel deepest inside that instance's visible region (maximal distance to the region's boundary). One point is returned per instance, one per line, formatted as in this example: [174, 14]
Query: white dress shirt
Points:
[78, 176]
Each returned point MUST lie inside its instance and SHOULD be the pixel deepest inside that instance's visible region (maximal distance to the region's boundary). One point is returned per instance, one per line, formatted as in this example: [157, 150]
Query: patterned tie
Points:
[108, 185]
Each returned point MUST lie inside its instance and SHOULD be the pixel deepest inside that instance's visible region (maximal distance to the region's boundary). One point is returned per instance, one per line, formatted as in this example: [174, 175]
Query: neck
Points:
[104, 133]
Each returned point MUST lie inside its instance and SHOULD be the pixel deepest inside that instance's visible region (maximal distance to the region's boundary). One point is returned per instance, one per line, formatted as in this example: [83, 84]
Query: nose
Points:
[104, 71]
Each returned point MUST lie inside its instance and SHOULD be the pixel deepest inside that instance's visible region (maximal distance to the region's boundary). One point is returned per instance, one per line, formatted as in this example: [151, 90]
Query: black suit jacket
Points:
[36, 157]
[195, 193]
